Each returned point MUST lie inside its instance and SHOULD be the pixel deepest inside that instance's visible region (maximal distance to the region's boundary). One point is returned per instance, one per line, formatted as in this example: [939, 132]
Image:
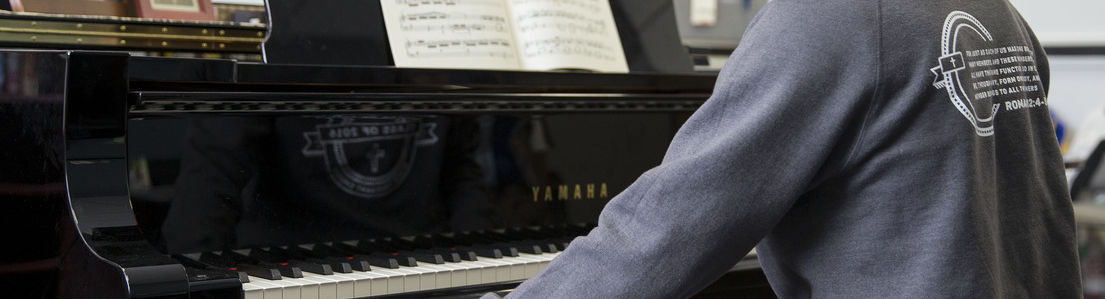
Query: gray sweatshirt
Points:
[872, 149]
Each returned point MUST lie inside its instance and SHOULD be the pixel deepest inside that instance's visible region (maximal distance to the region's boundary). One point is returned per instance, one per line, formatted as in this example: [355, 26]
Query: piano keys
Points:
[262, 271]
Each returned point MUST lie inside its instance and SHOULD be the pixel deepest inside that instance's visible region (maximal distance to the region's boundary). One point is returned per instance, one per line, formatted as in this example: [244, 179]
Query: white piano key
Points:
[316, 286]
[461, 272]
[252, 291]
[424, 279]
[291, 289]
[364, 283]
[347, 283]
[309, 287]
[502, 269]
[485, 273]
[273, 290]
[344, 284]
[443, 275]
[517, 267]
[474, 271]
[474, 274]
[383, 281]
[395, 279]
[379, 283]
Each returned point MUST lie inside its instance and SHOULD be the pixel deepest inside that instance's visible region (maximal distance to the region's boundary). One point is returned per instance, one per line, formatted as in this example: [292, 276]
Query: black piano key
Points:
[563, 245]
[243, 276]
[379, 261]
[525, 247]
[389, 250]
[285, 268]
[337, 265]
[548, 247]
[508, 250]
[283, 256]
[504, 249]
[488, 252]
[340, 263]
[360, 265]
[452, 257]
[313, 267]
[445, 254]
[462, 254]
[550, 242]
[262, 272]
[402, 259]
[427, 257]
[530, 236]
[360, 260]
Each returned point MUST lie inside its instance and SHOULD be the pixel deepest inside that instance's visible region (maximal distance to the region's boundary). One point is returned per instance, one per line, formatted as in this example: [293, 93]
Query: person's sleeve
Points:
[793, 95]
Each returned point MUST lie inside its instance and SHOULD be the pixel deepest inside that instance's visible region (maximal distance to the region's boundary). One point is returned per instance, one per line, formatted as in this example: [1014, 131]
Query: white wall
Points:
[1077, 81]
[1077, 86]
[1064, 23]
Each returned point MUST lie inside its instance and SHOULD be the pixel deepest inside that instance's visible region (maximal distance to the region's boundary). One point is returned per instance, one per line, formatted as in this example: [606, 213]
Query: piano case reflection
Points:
[313, 176]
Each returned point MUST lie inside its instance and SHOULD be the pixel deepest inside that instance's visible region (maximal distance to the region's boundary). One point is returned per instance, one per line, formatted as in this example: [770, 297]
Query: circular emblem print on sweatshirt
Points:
[961, 30]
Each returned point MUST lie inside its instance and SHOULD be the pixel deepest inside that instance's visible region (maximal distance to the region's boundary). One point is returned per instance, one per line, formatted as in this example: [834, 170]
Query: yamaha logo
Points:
[369, 157]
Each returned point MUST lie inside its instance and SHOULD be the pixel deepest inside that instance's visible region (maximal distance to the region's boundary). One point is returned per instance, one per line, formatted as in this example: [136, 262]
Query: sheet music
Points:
[567, 34]
[450, 34]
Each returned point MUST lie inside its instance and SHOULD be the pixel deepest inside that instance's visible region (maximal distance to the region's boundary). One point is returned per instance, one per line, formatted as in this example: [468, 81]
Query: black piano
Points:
[148, 177]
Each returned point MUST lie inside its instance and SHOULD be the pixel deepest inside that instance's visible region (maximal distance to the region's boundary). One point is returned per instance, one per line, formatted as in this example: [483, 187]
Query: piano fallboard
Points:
[144, 177]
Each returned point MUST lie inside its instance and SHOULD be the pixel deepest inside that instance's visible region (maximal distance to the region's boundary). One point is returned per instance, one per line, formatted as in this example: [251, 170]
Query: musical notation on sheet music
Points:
[573, 28]
[451, 33]
[461, 48]
[586, 5]
[504, 34]
[582, 31]
[452, 23]
[562, 15]
[456, 28]
[567, 46]
[436, 15]
[418, 3]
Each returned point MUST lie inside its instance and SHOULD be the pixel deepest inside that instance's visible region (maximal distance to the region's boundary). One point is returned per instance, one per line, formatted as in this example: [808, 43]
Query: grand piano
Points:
[322, 174]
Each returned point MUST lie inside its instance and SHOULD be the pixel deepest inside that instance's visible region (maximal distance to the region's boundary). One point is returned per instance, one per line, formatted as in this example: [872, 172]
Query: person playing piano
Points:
[867, 149]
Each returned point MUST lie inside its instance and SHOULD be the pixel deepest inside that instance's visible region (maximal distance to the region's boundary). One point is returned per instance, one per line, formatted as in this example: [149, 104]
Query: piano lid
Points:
[159, 73]
[351, 32]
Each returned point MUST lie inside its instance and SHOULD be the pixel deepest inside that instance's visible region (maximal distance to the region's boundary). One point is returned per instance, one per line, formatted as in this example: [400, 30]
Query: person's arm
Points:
[787, 109]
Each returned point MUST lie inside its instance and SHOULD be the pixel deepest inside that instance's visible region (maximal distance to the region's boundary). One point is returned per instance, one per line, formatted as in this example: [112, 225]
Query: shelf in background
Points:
[37, 30]
[1089, 214]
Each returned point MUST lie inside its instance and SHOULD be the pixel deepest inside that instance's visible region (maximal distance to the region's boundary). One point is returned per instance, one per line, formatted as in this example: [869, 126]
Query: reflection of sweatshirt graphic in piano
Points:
[251, 181]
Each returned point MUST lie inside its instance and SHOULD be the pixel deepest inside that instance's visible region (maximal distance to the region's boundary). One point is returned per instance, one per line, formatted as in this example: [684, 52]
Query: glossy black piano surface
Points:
[143, 177]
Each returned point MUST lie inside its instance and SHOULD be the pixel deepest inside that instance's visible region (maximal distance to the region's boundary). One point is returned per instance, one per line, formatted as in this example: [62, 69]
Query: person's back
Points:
[880, 149]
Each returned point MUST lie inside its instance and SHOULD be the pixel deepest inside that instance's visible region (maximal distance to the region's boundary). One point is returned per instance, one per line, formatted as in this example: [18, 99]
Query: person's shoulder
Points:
[825, 20]
[814, 11]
